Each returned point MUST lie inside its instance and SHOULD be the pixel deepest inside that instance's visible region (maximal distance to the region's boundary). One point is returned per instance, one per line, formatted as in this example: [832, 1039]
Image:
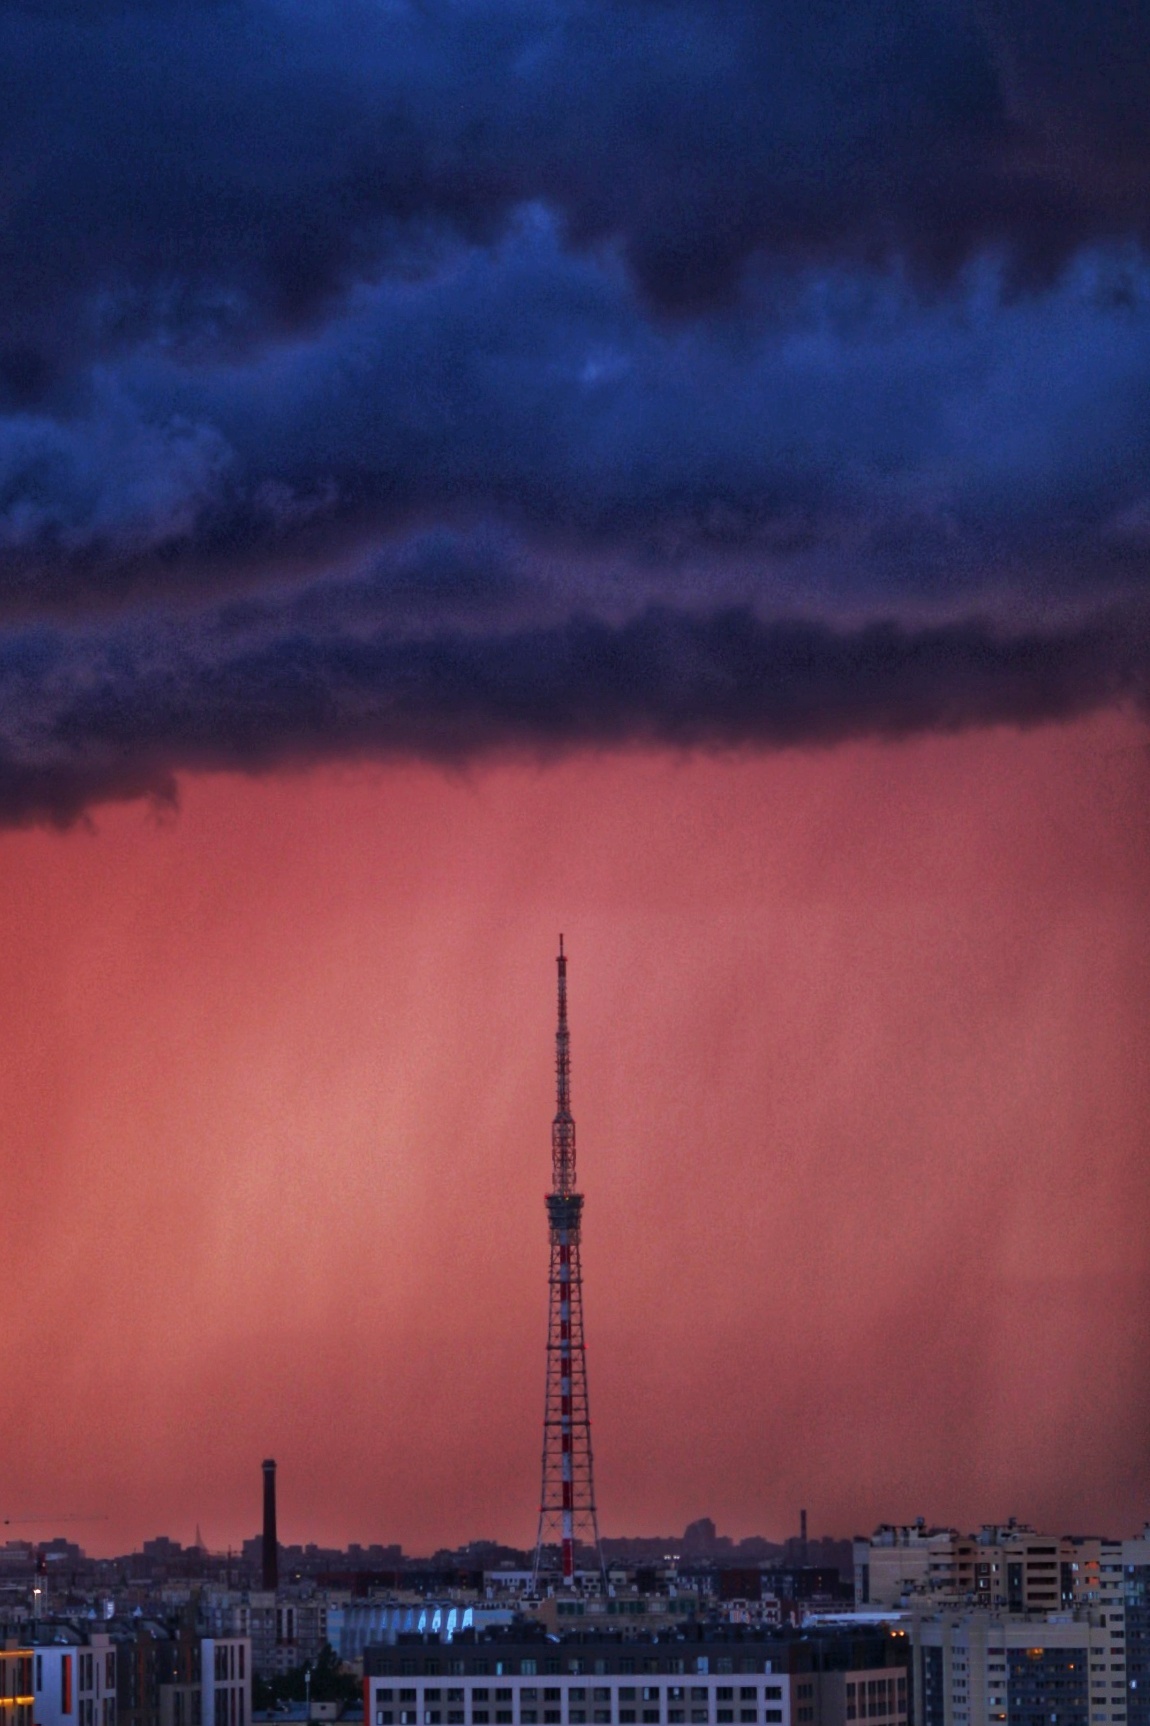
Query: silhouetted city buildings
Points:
[917, 1625]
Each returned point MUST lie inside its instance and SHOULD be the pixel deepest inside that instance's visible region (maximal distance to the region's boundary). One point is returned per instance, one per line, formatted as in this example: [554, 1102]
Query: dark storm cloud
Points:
[857, 445]
[480, 374]
[119, 711]
[219, 170]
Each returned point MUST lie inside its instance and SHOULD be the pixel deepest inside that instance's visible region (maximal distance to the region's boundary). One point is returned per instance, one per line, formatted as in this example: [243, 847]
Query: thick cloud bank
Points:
[114, 713]
[487, 373]
[240, 160]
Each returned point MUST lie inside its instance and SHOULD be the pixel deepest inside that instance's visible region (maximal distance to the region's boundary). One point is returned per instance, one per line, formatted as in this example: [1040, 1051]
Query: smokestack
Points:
[271, 1554]
[802, 1533]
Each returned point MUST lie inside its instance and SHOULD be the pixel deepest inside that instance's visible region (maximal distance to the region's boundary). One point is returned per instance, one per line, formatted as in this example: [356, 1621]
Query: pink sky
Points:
[862, 1089]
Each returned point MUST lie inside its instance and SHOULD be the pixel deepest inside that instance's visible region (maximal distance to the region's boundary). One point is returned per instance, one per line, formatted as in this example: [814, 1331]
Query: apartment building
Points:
[894, 1562]
[286, 1628]
[984, 1669]
[17, 1695]
[226, 1680]
[157, 1673]
[1005, 1567]
[74, 1678]
[1135, 1570]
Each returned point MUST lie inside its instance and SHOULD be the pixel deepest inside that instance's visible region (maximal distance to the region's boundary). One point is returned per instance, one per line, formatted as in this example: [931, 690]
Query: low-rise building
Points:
[362, 1624]
[605, 1680]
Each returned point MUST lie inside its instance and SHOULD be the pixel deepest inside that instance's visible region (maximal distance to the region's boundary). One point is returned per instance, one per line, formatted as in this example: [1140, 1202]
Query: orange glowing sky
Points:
[862, 1091]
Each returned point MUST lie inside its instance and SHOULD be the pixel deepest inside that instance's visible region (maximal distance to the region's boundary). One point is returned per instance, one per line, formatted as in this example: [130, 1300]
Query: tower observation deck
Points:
[567, 1512]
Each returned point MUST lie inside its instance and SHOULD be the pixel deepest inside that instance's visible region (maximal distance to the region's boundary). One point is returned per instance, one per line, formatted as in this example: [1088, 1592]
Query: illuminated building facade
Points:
[17, 1696]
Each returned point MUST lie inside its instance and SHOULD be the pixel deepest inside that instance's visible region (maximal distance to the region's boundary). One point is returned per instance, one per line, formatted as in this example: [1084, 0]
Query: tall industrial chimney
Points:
[803, 1547]
[271, 1556]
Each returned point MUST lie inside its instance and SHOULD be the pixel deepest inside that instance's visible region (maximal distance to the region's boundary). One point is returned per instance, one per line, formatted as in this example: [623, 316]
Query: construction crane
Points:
[22, 1521]
[38, 1586]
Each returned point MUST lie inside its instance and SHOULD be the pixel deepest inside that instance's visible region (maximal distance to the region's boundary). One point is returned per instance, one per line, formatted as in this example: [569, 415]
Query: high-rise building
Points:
[567, 1511]
[976, 1668]
[1007, 1567]
[1135, 1579]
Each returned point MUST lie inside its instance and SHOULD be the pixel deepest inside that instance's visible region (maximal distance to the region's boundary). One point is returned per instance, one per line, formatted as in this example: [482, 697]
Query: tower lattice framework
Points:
[567, 1512]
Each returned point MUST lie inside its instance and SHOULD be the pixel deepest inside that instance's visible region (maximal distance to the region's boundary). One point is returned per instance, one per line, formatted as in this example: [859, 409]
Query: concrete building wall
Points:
[983, 1669]
[54, 1670]
[226, 1681]
[896, 1558]
[76, 1684]
[1003, 1568]
[762, 1698]
[181, 1705]
[876, 1694]
[286, 1629]
[1136, 1604]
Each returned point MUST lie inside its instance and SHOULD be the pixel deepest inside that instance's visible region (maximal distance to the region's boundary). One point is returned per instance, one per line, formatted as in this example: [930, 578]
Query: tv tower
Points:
[567, 1502]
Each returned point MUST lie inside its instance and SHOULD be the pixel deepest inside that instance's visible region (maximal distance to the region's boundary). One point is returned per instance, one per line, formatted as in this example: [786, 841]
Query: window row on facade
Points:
[90, 1712]
[229, 1661]
[574, 1666]
[482, 1714]
[432, 1696]
[876, 1698]
[229, 1706]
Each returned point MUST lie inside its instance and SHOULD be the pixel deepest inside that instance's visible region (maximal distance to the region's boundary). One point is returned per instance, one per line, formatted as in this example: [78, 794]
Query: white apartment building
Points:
[225, 1681]
[75, 1683]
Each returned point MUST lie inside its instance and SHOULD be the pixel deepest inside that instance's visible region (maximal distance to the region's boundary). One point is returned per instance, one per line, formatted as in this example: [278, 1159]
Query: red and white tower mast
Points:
[567, 1504]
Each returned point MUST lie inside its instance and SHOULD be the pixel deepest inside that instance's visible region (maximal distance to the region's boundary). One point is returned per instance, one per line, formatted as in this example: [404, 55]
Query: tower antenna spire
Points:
[567, 1502]
[563, 1126]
